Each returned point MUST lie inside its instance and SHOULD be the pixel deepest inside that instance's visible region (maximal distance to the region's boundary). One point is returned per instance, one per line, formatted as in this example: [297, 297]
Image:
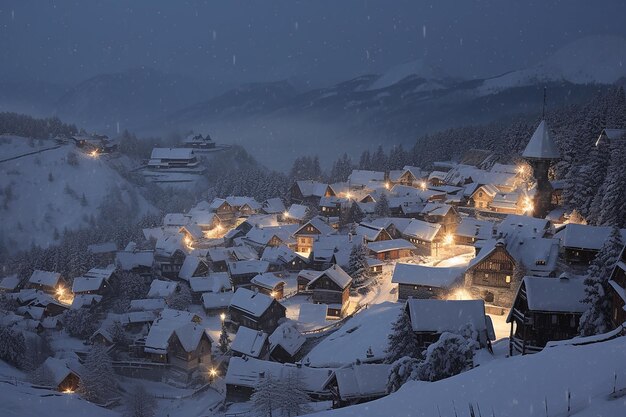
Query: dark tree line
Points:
[30, 127]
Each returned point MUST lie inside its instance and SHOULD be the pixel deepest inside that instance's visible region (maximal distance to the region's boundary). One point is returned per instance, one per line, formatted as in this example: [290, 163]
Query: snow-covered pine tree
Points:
[296, 400]
[224, 341]
[448, 356]
[402, 370]
[597, 317]
[401, 341]
[12, 346]
[97, 384]
[118, 334]
[42, 376]
[268, 396]
[379, 159]
[140, 403]
[614, 198]
[576, 218]
[381, 209]
[79, 323]
[354, 214]
[181, 299]
[358, 267]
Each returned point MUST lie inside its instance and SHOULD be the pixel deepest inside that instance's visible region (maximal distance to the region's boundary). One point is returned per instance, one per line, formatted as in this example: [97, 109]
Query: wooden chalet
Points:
[95, 281]
[169, 255]
[618, 292]
[490, 274]
[358, 383]
[419, 281]
[268, 284]
[63, 374]
[443, 214]
[581, 243]
[255, 310]
[306, 234]
[545, 309]
[45, 281]
[426, 237]
[242, 272]
[103, 253]
[372, 233]
[285, 343]
[309, 192]
[391, 249]
[251, 343]
[332, 287]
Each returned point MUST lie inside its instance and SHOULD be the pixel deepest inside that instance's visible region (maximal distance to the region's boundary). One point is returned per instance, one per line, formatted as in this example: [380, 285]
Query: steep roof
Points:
[387, 245]
[555, 294]
[337, 275]
[426, 275]
[249, 342]
[288, 337]
[251, 302]
[541, 145]
[45, 278]
[446, 315]
[267, 280]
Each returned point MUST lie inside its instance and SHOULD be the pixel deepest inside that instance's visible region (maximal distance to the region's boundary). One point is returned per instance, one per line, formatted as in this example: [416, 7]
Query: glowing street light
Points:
[423, 185]
[348, 196]
[222, 317]
[448, 239]
[387, 185]
[212, 372]
[94, 153]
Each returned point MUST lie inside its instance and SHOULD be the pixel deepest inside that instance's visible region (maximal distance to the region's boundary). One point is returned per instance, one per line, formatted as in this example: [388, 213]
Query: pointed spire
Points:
[541, 145]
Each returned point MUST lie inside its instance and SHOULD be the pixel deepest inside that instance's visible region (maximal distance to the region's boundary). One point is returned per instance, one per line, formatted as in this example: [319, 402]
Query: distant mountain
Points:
[133, 98]
[417, 69]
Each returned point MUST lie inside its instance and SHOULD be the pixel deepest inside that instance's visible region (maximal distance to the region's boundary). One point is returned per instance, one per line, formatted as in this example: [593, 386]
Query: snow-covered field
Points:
[46, 192]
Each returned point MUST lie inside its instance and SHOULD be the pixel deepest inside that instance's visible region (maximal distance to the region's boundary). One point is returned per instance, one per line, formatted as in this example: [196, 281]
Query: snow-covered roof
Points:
[274, 206]
[541, 145]
[215, 282]
[45, 278]
[429, 276]
[190, 334]
[172, 153]
[422, 230]
[489, 189]
[168, 245]
[263, 235]
[59, 369]
[318, 224]
[161, 289]
[193, 229]
[245, 372]
[555, 294]
[102, 247]
[128, 260]
[288, 337]
[387, 245]
[249, 342]
[267, 280]
[189, 266]
[175, 219]
[363, 178]
[215, 300]
[337, 275]
[85, 300]
[362, 380]
[297, 211]
[515, 224]
[84, 284]
[169, 320]
[479, 229]
[369, 231]
[539, 255]
[279, 254]
[310, 188]
[251, 302]
[586, 237]
[9, 283]
[436, 209]
[147, 304]
[252, 266]
[438, 316]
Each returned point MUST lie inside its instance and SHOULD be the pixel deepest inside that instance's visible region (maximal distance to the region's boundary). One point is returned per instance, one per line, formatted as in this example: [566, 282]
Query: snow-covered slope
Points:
[517, 387]
[418, 68]
[594, 59]
[42, 192]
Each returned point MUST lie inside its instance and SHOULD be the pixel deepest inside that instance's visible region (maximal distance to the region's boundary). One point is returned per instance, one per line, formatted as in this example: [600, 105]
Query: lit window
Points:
[508, 279]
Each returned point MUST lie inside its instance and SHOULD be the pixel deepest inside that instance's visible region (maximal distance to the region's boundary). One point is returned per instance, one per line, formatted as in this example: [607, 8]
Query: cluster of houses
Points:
[237, 257]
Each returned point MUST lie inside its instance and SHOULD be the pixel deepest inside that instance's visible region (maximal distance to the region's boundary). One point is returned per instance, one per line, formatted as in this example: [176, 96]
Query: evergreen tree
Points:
[181, 299]
[614, 188]
[381, 209]
[597, 317]
[79, 323]
[12, 346]
[353, 215]
[365, 161]
[140, 403]
[118, 334]
[402, 370]
[379, 160]
[401, 341]
[448, 356]
[267, 397]
[341, 170]
[224, 341]
[97, 384]
[296, 399]
[358, 267]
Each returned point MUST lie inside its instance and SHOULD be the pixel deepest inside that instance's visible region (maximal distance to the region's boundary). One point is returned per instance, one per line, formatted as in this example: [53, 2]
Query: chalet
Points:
[134, 321]
[260, 238]
[332, 288]
[369, 179]
[273, 206]
[64, 375]
[255, 310]
[174, 221]
[608, 136]
[430, 318]
[192, 233]
[284, 258]
[581, 243]
[136, 261]
[511, 203]
[241, 272]
[428, 238]
[9, 283]
[333, 249]
[306, 234]
[419, 281]
[36, 298]
[169, 255]
[269, 284]
[205, 220]
[489, 275]
[404, 177]
[296, 213]
[162, 289]
[244, 374]
[45, 281]
[470, 230]
[94, 282]
[483, 196]
[103, 253]
[216, 302]
[443, 214]
[216, 282]
[199, 143]
[304, 277]
[437, 178]
[193, 266]
[174, 160]
[375, 265]
[285, 343]
[332, 206]
[251, 343]
[309, 192]
[147, 304]
[391, 249]
[545, 309]
[223, 209]
[178, 339]
[372, 233]
[358, 383]
[218, 259]
[618, 292]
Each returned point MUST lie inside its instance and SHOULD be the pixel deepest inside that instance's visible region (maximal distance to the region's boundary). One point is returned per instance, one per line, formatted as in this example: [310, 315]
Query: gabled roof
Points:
[128, 260]
[59, 369]
[582, 236]
[541, 145]
[189, 267]
[248, 267]
[362, 177]
[488, 189]
[45, 278]
[267, 280]
[274, 206]
[318, 224]
[215, 282]
[429, 276]
[171, 153]
[83, 284]
[422, 230]
[249, 342]
[387, 245]
[446, 315]
[288, 337]
[297, 211]
[336, 275]
[251, 302]
[9, 283]
[170, 321]
[312, 188]
[612, 134]
[161, 289]
[175, 219]
[215, 300]
[362, 380]
[563, 294]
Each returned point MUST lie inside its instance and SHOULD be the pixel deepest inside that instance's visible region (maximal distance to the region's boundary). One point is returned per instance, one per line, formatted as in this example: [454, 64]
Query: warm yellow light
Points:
[528, 206]
[68, 391]
[448, 239]
[94, 153]
[423, 185]
[348, 195]
[222, 316]
[460, 294]
[387, 185]
[213, 373]
[273, 294]
[60, 291]
[286, 214]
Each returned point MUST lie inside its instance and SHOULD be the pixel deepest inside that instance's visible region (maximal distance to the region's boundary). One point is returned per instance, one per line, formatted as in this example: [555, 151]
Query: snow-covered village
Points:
[326, 235]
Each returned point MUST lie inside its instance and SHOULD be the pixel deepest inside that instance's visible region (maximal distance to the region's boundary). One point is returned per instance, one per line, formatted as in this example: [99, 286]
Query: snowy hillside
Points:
[594, 59]
[42, 193]
[517, 387]
[418, 68]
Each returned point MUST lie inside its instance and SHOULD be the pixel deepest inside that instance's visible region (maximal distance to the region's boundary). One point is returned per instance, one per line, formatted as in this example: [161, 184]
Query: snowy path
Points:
[29, 153]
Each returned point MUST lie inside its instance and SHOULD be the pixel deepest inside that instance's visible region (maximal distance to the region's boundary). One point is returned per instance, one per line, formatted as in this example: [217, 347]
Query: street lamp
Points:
[223, 317]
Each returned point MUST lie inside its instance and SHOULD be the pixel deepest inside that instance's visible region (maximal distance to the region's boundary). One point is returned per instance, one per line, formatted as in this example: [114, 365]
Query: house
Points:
[333, 206]
[361, 179]
[255, 310]
[306, 234]
[309, 192]
[199, 143]
[470, 230]
[511, 203]
[443, 214]
[216, 282]
[147, 304]
[260, 238]
[241, 272]
[391, 249]
[45, 281]
[63, 374]
[430, 318]
[304, 277]
[282, 257]
[193, 266]
[489, 275]
[162, 289]
[295, 214]
[192, 233]
[215, 303]
[174, 160]
[332, 288]
[169, 255]
[545, 309]
[618, 291]
[333, 249]
[136, 261]
[285, 343]
[179, 339]
[103, 253]
[483, 196]
[581, 243]
[268, 284]
[94, 281]
[427, 237]
[404, 176]
[244, 374]
[358, 383]
[249, 342]
[9, 283]
[372, 233]
[420, 281]
[273, 206]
